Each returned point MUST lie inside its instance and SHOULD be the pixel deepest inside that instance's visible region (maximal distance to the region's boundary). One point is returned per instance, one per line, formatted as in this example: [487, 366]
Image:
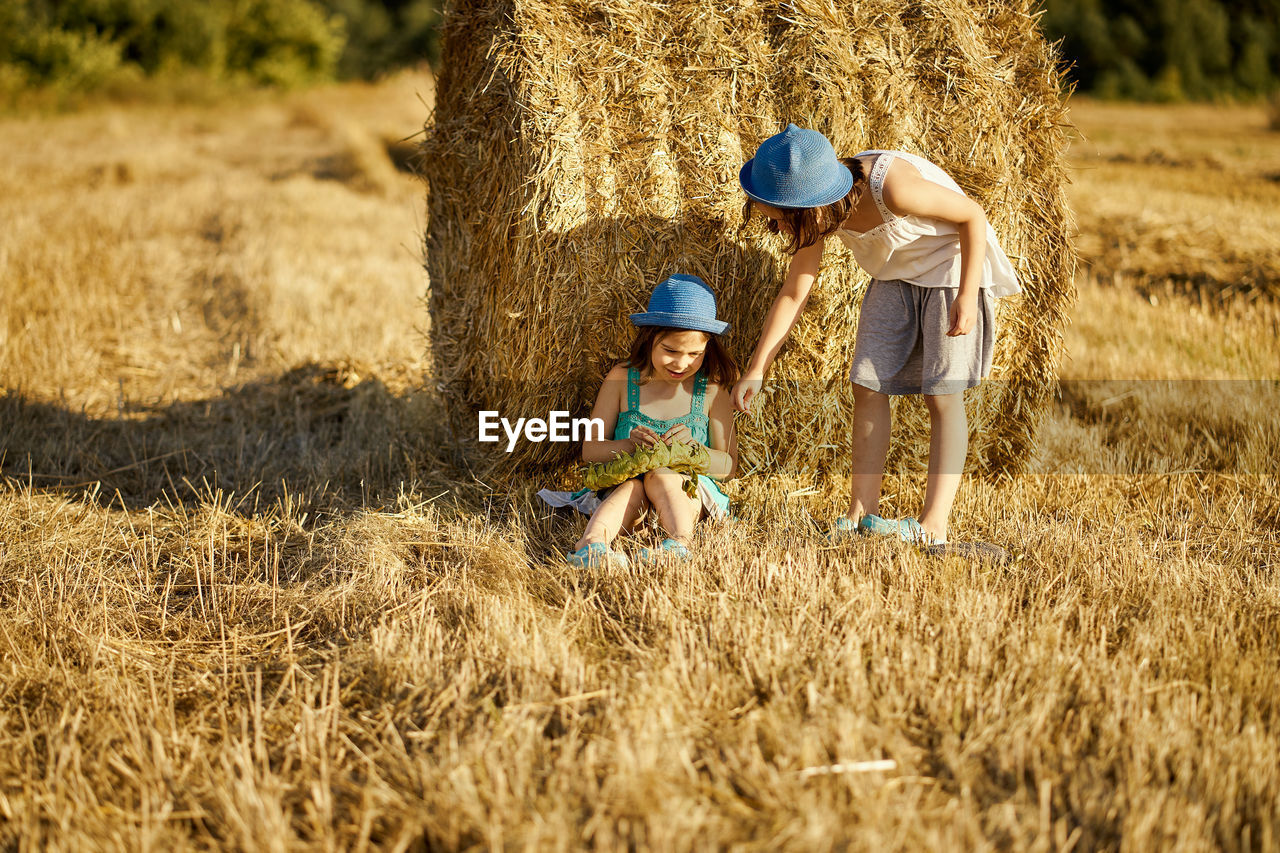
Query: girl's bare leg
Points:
[677, 512]
[871, 425]
[620, 510]
[948, 446]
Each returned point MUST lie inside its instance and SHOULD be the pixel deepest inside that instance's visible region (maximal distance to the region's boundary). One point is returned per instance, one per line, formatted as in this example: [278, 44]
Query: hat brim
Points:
[680, 321]
[830, 196]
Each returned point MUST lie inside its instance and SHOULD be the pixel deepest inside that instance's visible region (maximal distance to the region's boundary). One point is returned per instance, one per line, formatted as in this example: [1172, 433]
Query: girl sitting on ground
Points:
[675, 387]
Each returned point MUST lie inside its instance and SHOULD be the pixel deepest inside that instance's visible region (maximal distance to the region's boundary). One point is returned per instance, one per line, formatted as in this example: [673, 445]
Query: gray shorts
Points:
[902, 345]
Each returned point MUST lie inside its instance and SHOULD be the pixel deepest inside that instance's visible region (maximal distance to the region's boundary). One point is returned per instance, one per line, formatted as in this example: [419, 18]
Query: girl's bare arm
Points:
[607, 406]
[723, 438]
[780, 320]
[908, 193]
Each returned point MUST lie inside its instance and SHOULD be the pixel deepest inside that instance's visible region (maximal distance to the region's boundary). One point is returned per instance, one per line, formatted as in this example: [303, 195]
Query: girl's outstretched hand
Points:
[745, 391]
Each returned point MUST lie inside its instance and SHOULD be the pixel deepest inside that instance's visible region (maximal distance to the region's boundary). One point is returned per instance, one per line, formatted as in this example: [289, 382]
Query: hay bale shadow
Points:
[317, 430]
[404, 154]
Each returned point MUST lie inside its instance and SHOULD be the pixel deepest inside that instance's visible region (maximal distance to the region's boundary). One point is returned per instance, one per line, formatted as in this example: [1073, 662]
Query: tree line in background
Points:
[1169, 49]
[87, 45]
[1144, 49]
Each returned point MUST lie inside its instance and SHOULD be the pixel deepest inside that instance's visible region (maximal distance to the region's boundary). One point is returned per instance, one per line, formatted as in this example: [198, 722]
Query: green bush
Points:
[282, 42]
[69, 59]
[388, 35]
[1169, 49]
[84, 45]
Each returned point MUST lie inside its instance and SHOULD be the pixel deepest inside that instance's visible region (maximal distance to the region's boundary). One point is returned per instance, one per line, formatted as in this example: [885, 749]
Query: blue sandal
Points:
[906, 529]
[596, 554]
[874, 525]
[670, 549]
[912, 532]
[842, 531]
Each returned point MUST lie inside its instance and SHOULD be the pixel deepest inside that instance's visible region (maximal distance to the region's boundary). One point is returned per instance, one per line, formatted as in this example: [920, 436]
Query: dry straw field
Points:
[251, 599]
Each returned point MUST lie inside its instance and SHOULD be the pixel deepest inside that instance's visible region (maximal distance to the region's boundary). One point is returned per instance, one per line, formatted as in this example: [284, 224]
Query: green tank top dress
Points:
[696, 420]
[714, 501]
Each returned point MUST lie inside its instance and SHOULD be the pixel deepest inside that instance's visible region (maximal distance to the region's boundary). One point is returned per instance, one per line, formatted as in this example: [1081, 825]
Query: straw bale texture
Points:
[582, 151]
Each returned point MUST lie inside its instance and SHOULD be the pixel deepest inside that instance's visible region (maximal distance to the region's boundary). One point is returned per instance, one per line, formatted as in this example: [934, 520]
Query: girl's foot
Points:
[842, 531]
[670, 549]
[874, 525]
[905, 529]
[595, 554]
[913, 531]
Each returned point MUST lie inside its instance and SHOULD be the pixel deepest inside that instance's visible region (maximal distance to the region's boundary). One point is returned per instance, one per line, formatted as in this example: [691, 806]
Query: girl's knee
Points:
[944, 404]
[665, 487]
[631, 487]
[633, 490]
[863, 395]
[627, 496]
[661, 479]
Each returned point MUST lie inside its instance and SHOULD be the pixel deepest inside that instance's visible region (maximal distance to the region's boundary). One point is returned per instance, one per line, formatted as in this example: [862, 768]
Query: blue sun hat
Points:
[796, 168]
[682, 302]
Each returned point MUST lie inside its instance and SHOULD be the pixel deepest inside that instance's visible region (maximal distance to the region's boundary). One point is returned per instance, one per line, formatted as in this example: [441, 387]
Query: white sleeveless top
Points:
[917, 249]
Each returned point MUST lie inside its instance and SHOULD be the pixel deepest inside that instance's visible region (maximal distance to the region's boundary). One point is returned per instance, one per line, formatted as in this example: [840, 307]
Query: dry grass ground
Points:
[249, 599]
[1185, 195]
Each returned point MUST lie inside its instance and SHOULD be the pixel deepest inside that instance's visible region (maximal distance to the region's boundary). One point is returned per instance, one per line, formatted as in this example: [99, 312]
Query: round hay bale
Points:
[582, 151]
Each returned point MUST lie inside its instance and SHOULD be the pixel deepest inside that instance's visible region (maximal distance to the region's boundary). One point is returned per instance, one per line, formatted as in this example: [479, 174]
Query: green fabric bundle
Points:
[688, 459]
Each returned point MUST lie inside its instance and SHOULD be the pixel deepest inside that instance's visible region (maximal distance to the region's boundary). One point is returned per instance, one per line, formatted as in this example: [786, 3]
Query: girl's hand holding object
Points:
[679, 432]
[644, 437]
[745, 391]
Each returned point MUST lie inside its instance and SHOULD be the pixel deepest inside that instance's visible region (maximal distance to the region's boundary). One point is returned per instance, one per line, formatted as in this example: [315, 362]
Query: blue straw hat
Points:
[796, 168]
[682, 302]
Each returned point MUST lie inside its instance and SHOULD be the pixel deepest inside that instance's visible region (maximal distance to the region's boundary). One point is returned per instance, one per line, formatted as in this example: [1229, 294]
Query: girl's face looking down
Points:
[677, 355]
[778, 221]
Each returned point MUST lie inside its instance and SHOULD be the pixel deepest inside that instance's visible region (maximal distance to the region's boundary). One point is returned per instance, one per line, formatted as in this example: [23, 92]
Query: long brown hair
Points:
[716, 362]
[808, 225]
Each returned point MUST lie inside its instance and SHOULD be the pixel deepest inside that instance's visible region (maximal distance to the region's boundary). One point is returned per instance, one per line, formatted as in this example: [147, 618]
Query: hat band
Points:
[691, 322]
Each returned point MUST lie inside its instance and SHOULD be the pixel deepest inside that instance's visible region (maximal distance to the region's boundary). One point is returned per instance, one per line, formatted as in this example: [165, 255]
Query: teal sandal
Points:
[874, 525]
[670, 549]
[596, 554]
[905, 529]
[842, 531]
